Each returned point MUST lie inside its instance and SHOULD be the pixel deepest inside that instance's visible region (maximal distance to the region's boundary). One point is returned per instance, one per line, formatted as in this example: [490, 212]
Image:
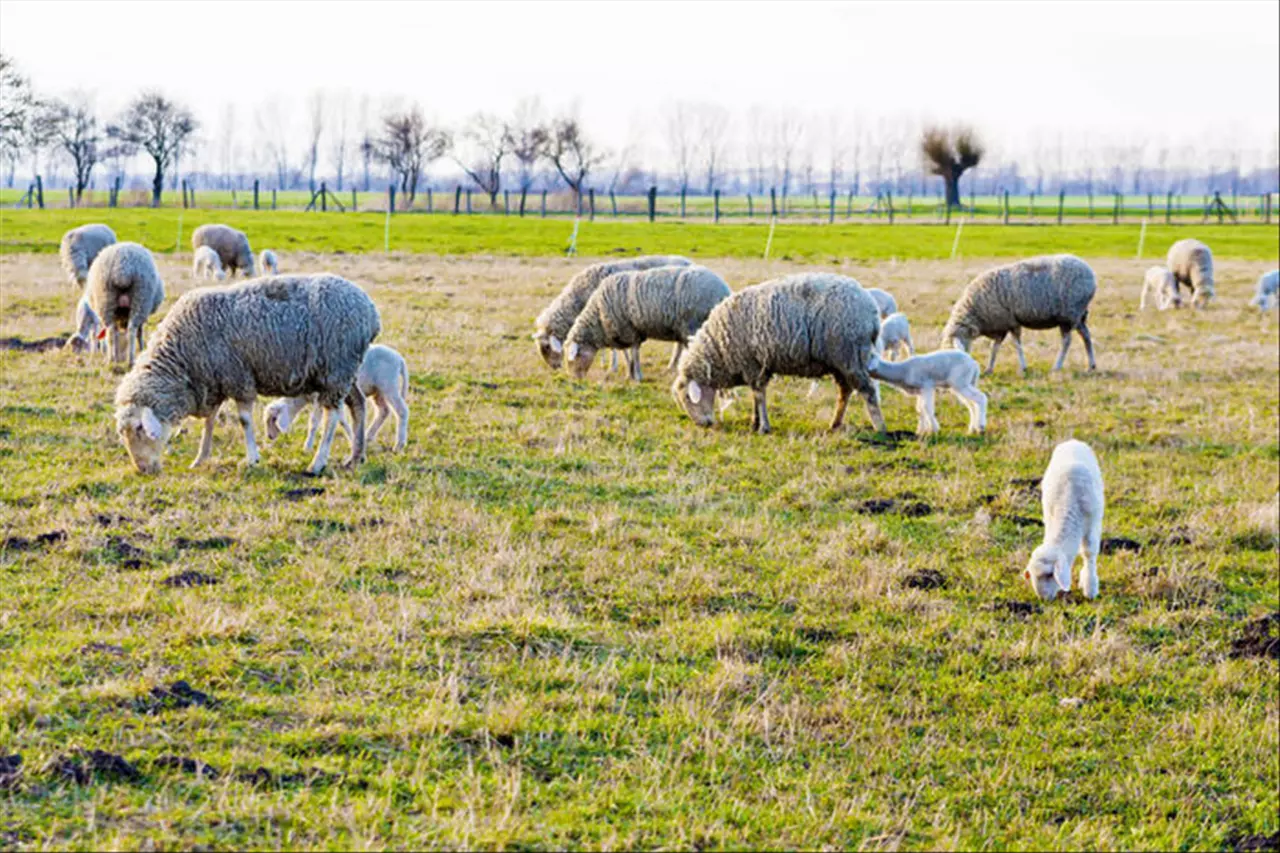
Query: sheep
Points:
[553, 324]
[282, 335]
[1265, 297]
[205, 264]
[884, 301]
[124, 289]
[919, 375]
[1073, 504]
[79, 247]
[1159, 283]
[85, 338]
[231, 245]
[383, 377]
[267, 260]
[1037, 293]
[810, 325]
[895, 335]
[1191, 263]
[628, 308]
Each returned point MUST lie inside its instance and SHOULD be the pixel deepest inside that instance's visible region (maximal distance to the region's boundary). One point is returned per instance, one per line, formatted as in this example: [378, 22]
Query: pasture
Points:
[566, 616]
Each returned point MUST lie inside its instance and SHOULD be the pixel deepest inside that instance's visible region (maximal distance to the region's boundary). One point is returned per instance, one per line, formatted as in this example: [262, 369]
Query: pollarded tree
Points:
[408, 145]
[949, 154]
[158, 126]
[71, 127]
[488, 142]
[572, 153]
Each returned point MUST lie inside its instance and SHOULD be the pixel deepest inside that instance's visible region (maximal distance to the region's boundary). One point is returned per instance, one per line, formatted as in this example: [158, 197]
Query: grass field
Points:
[566, 616]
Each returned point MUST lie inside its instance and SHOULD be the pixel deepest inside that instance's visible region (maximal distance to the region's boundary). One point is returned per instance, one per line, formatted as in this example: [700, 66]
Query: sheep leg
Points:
[1088, 344]
[995, 348]
[761, 419]
[322, 452]
[1066, 345]
[911, 347]
[1022, 357]
[317, 412]
[870, 391]
[633, 361]
[676, 352]
[613, 361]
[928, 424]
[355, 401]
[382, 411]
[1089, 550]
[402, 421]
[251, 456]
[846, 389]
[206, 441]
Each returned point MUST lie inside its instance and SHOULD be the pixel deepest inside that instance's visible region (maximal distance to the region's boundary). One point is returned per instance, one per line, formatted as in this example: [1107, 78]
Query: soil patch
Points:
[925, 579]
[189, 578]
[1260, 639]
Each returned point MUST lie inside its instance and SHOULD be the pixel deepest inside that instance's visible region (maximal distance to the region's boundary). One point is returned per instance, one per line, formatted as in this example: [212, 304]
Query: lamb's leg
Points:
[1022, 357]
[1066, 344]
[1088, 344]
[846, 389]
[313, 426]
[613, 361]
[911, 347]
[1089, 548]
[761, 419]
[322, 452]
[206, 441]
[976, 402]
[251, 456]
[402, 421]
[382, 411]
[924, 405]
[355, 401]
[1142, 300]
[995, 348]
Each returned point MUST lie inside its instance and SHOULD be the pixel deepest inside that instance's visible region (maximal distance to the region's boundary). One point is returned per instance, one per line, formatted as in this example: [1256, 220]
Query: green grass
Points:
[39, 231]
[566, 617]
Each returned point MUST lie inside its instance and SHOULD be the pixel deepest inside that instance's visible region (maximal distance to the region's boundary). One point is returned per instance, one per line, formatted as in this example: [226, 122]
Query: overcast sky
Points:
[1195, 69]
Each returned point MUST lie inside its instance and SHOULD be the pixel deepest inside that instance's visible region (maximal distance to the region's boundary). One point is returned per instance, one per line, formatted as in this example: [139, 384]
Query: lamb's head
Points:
[77, 343]
[276, 418]
[144, 436]
[220, 274]
[958, 335]
[1204, 295]
[551, 348]
[698, 401]
[578, 358]
[1046, 571]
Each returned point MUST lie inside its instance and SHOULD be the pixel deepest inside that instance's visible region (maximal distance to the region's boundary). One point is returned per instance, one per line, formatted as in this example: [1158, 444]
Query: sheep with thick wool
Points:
[1159, 284]
[1051, 291]
[206, 264]
[920, 375]
[1191, 263]
[553, 324]
[809, 325]
[283, 335]
[79, 247]
[1073, 501]
[232, 247]
[124, 289]
[1265, 295]
[628, 308]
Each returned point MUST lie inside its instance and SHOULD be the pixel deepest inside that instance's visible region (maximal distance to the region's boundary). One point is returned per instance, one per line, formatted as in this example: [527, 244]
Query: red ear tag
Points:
[102, 334]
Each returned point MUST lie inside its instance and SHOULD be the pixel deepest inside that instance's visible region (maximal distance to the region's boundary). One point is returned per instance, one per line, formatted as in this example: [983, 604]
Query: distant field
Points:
[159, 230]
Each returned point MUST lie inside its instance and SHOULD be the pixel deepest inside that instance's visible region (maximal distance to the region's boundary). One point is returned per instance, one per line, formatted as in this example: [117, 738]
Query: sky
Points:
[1201, 70]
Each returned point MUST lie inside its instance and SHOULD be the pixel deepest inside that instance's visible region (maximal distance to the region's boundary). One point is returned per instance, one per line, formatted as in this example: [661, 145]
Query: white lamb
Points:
[87, 326]
[1160, 284]
[919, 375]
[383, 377]
[267, 260]
[206, 264]
[884, 301]
[895, 335]
[1265, 296]
[1073, 506]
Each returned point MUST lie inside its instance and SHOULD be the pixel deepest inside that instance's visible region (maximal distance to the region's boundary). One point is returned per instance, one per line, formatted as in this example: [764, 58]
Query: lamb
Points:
[1159, 283]
[1073, 503]
[555, 321]
[267, 260]
[811, 325]
[205, 264]
[884, 301]
[1265, 297]
[383, 376]
[124, 289]
[231, 245]
[628, 308]
[283, 335]
[1191, 263]
[79, 247]
[895, 335]
[87, 326]
[919, 375]
[1037, 293]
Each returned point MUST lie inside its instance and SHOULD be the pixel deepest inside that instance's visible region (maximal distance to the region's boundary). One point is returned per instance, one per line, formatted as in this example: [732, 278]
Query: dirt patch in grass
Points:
[175, 696]
[1023, 520]
[925, 579]
[128, 555]
[302, 493]
[44, 540]
[1251, 843]
[41, 345]
[1020, 609]
[1112, 544]
[1260, 638]
[194, 766]
[10, 770]
[84, 766]
[101, 649]
[189, 578]
[212, 543]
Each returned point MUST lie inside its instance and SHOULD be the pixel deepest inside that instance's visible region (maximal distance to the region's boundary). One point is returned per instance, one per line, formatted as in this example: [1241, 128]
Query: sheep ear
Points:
[556, 346]
[571, 352]
[151, 424]
[695, 391]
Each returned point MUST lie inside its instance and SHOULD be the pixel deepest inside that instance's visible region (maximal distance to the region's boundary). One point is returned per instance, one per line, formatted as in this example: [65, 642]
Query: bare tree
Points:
[315, 127]
[757, 146]
[408, 145]
[788, 132]
[949, 154]
[571, 152]
[526, 139]
[711, 126]
[71, 127]
[488, 141]
[367, 147]
[226, 144]
[272, 121]
[158, 126]
[16, 106]
[678, 123]
[340, 136]
[835, 152]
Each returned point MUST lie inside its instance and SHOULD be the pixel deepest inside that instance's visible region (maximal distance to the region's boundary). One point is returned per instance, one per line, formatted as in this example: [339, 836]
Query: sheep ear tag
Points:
[556, 346]
[102, 333]
[695, 392]
[151, 424]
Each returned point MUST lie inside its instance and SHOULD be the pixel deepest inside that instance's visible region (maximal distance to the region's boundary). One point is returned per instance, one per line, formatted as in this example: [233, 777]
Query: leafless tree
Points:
[226, 144]
[677, 121]
[757, 147]
[71, 127]
[487, 140]
[572, 153]
[527, 138]
[366, 146]
[340, 136]
[158, 126]
[272, 121]
[408, 145]
[711, 127]
[788, 132]
[836, 147]
[16, 106]
[949, 154]
[315, 128]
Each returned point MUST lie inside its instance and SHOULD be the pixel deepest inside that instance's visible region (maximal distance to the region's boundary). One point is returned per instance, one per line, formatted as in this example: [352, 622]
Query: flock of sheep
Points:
[308, 339]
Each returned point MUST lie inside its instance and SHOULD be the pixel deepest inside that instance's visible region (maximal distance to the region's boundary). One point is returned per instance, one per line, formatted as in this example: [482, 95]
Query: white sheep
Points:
[919, 375]
[1158, 282]
[267, 260]
[88, 325]
[124, 289]
[1191, 263]
[884, 301]
[1265, 297]
[231, 245]
[383, 377]
[79, 247]
[205, 264]
[895, 335]
[1073, 504]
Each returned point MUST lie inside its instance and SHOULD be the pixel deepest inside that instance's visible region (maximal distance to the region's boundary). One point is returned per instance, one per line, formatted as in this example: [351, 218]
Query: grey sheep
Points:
[1191, 263]
[1264, 297]
[280, 335]
[88, 325]
[553, 324]
[79, 247]
[231, 245]
[628, 308]
[811, 325]
[267, 260]
[1038, 293]
[124, 289]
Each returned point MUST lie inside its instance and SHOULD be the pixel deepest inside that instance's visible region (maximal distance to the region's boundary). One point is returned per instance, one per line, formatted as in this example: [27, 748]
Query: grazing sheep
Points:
[283, 335]
[383, 377]
[79, 247]
[895, 335]
[628, 308]
[124, 289]
[919, 375]
[1038, 293]
[267, 260]
[811, 325]
[231, 245]
[884, 301]
[1191, 263]
[1073, 504]
[87, 326]
[555, 321]
[1159, 283]
[205, 264]
[1265, 297]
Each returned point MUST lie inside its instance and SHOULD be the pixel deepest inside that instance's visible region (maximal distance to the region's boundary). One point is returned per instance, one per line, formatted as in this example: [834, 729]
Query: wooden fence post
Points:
[1006, 207]
[888, 200]
[910, 199]
[1091, 204]
[831, 209]
[613, 203]
[255, 193]
[40, 192]
[353, 200]
[506, 202]
[683, 190]
[1168, 208]
[717, 205]
[1151, 207]
[71, 197]
[1031, 206]
[591, 201]
[1062, 200]
[653, 203]
[751, 210]
[1115, 211]
[391, 197]
[848, 207]
[524, 196]
[773, 202]
[544, 204]
[457, 199]
[273, 198]
[1266, 208]
[468, 201]
[324, 198]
